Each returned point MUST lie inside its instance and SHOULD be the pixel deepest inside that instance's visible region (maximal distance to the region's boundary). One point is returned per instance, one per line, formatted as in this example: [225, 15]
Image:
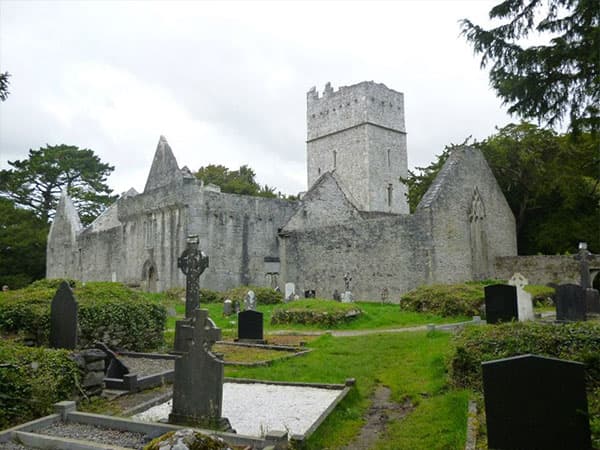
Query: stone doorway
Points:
[150, 277]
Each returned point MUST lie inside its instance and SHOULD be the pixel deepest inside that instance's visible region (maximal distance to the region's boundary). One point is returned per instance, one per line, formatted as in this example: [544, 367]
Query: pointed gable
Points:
[66, 220]
[164, 170]
[326, 203]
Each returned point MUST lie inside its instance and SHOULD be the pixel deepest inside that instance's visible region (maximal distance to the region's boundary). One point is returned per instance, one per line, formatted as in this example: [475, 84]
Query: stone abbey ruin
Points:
[354, 218]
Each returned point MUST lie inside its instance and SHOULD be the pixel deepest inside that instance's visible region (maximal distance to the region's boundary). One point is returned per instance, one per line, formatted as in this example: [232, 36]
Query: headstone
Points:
[227, 307]
[192, 263]
[198, 379]
[534, 402]
[592, 301]
[570, 302]
[63, 318]
[290, 290]
[250, 325]
[310, 293]
[524, 302]
[347, 280]
[584, 256]
[250, 301]
[336, 295]
[500, 303]
[347, 297]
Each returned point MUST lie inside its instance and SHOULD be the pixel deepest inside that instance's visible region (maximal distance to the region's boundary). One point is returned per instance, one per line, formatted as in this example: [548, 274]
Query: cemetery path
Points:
[380, 413]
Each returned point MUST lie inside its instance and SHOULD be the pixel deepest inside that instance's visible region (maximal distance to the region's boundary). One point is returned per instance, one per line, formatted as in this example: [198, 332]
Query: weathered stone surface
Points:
[345, 223]
[93, 354]
[63, 318]
[93, 379]
[192, 263]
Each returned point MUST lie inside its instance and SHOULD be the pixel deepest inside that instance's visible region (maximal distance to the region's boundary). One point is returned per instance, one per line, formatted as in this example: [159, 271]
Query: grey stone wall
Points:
[359, 132]
[544, 269]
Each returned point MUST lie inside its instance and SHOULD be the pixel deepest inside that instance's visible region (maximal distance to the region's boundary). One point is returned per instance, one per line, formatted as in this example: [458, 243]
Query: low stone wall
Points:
[544, 269]
[91, 365]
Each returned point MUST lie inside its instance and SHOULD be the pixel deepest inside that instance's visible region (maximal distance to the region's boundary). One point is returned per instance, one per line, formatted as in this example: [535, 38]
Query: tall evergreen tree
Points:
[36, 182]
[551, 82]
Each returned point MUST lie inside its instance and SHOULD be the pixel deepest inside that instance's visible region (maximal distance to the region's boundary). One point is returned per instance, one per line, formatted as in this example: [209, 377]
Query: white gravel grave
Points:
[255, 408]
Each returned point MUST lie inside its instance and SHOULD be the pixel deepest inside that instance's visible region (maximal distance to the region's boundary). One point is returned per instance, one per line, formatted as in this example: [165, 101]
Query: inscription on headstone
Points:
[250, 325]
[570, 302]
[63, 318]
[192, 263]
[500, 303]
[534, 402]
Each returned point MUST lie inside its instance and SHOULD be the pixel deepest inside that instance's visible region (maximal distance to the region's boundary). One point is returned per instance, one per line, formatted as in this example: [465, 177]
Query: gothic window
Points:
[476, 217]
[390, 189]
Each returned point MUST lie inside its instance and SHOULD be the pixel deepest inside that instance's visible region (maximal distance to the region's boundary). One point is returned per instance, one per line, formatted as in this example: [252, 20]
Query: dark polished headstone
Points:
[63, 318]
[250, 325]
[592, 301]
[501, 303]
[570, 302]
[534, 402]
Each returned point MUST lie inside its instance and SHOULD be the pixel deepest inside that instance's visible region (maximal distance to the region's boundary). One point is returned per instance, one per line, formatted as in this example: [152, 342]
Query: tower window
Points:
[389, 157]
[390, 189]
[334, 159]
[319, 170]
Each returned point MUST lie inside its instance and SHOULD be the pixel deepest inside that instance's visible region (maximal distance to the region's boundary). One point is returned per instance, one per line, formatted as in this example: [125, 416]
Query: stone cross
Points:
[250, 301]
[584, 256]
[347, 280]
[192, 263]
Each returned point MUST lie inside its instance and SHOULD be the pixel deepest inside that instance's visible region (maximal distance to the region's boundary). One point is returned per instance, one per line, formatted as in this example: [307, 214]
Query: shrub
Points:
[208, 296]
[315, 311]
[575, 341]
[109, 312]
[32, 380]
[540, 295]
[264, 295]
[446, 299]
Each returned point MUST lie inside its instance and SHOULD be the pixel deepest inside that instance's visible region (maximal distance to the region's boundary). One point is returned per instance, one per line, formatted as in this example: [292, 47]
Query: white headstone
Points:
[250, 301]
[347, 297]
[290, 290]
[524, 303]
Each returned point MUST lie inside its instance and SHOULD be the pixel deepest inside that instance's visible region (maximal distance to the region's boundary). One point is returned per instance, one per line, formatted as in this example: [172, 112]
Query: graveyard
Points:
[101, 362]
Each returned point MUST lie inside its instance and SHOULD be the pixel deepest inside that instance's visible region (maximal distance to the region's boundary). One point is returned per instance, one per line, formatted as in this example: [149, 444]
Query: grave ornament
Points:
[192, 263]
[250, 301]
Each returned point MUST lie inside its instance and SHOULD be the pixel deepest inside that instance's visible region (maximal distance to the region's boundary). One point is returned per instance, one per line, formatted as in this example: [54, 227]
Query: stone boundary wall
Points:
[91, 364]
[544, 269]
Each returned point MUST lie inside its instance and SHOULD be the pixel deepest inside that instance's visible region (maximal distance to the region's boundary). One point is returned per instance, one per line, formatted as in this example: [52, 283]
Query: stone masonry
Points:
[354, 217]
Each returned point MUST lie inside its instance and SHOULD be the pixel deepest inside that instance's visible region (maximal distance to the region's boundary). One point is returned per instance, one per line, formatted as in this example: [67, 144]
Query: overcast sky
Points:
[226, 82]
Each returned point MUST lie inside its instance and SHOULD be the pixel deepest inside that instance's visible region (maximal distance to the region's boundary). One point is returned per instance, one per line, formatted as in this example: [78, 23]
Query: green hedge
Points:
[264, 295]
[32, 380]
[573, 341]
[108, 312]
[315, 311]
[464, 299]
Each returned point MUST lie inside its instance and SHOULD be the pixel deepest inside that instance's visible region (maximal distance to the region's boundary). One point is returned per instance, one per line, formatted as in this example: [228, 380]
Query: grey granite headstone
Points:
[250, 325]
[290, 290]
[198, 379]
[63, 318]
[592, 301]
[570, 302]
[192, 263]
[227, 307]
[500, 303]
[534, 402]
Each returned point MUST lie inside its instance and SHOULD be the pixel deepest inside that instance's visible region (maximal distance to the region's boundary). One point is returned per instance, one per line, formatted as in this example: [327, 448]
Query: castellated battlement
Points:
[350, 106]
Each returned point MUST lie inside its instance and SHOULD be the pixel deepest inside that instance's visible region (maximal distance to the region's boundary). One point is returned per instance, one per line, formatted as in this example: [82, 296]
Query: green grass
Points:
[410, 364]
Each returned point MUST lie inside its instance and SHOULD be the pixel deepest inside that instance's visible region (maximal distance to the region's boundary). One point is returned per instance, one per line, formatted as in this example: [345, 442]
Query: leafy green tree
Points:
[551, 183]
[4, 85]
[240, 181]
[22, 245]
[36, 182]
[547, 82]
